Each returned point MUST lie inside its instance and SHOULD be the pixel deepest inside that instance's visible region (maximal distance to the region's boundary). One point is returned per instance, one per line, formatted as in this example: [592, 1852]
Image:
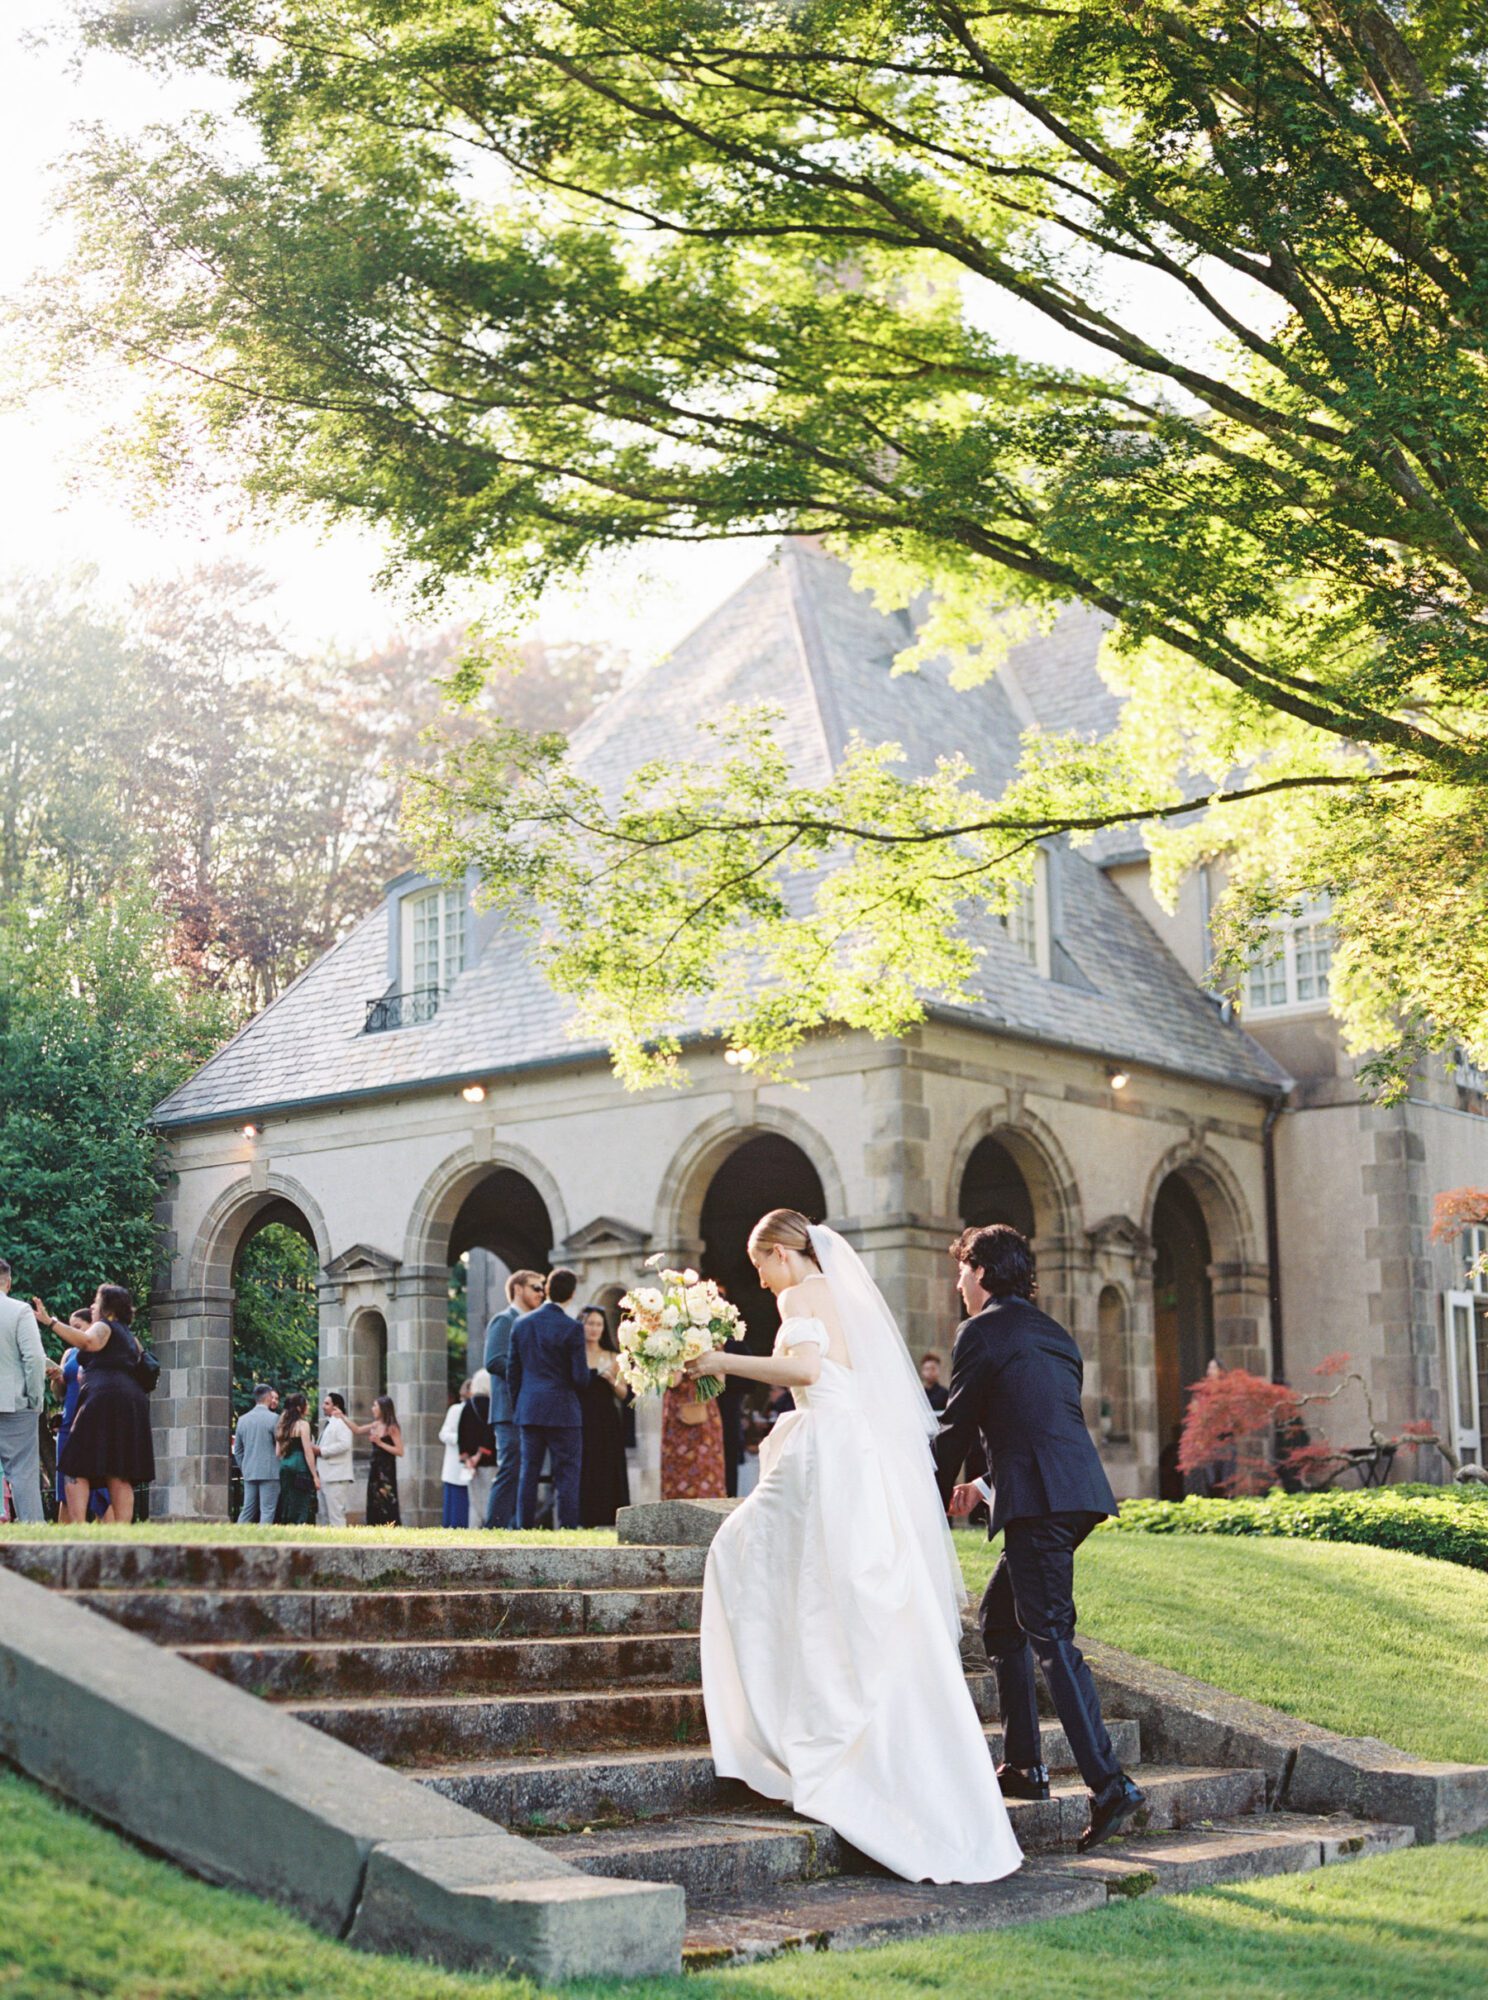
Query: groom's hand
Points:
[963, 1499]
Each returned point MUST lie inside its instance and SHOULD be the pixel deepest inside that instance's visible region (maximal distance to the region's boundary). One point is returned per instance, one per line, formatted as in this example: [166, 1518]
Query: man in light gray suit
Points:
[253, 1448]
[22, 1391]
[524, 1294]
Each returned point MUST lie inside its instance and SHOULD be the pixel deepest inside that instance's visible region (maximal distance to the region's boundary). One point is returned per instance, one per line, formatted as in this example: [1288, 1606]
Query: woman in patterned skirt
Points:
[691, 1447]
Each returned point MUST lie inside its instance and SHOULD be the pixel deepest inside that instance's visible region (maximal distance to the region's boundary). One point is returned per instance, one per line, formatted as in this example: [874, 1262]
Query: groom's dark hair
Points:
[1002, 1257]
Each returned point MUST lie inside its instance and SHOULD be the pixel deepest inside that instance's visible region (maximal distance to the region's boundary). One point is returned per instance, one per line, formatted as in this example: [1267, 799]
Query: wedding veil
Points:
[893, 1400]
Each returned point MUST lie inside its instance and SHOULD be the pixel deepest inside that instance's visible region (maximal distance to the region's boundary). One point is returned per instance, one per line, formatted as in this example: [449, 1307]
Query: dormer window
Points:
[437, 938]
[1026, 921]
[1295, 966]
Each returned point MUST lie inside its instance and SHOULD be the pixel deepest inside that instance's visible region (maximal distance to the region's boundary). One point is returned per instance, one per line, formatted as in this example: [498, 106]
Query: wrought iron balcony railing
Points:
[401, 1010]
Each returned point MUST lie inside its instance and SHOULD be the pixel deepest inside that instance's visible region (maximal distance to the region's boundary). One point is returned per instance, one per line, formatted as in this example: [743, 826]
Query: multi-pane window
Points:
[1293, 970]
[1020, 921]
[438, 939]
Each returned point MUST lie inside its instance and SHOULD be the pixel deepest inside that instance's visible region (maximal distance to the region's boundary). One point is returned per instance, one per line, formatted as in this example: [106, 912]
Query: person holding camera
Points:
[109, 1444]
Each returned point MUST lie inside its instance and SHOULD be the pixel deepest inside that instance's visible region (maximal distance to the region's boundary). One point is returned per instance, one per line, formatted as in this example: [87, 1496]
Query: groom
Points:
[1016, 1377]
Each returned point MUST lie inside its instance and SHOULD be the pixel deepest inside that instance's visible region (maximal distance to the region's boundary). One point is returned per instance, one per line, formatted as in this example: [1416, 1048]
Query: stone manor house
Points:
[1197, 1184]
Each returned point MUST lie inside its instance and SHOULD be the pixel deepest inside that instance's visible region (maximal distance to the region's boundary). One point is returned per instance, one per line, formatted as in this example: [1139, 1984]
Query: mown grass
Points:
[88, 1917]
[1361, 1640]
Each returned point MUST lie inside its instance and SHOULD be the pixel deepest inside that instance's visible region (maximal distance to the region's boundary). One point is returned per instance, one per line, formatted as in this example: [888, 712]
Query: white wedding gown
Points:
[830, 1678]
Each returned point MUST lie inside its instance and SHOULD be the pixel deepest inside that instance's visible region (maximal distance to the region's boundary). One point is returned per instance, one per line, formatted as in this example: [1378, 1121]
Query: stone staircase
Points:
[555, 1691]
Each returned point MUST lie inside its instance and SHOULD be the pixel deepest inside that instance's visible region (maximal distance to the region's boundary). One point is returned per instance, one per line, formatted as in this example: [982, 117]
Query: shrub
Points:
[1449, 1523]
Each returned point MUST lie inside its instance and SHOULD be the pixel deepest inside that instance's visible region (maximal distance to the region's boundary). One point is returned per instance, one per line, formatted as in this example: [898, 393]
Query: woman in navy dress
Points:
[109, 1443]
[75, 1500]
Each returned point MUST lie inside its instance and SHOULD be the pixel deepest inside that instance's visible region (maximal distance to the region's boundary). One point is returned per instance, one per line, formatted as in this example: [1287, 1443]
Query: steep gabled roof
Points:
[796, 634]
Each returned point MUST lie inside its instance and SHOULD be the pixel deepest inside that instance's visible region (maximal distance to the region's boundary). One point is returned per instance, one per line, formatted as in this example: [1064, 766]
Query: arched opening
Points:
[765, 1172]
[1183, 1315]
[275, 1273]
[993, 1189]
[1113, 1336]
[501, 1226]
[367, 1363]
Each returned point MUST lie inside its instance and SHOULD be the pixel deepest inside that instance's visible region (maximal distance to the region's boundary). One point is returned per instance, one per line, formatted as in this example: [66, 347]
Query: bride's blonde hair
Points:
[783, 1229]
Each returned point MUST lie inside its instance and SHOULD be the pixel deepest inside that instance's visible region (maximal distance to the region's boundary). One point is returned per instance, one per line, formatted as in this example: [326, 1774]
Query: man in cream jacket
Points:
[333, 1461]
[22, 1388]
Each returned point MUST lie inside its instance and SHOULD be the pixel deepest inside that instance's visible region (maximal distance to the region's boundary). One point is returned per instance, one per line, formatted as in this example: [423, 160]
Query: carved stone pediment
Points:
[1121, 1234]
[605, 1236]
[363, 1262]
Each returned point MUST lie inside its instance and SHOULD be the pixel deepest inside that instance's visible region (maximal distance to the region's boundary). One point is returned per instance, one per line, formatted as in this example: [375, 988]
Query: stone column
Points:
[1242, 1316]
[418, 1382]
[191, 1410]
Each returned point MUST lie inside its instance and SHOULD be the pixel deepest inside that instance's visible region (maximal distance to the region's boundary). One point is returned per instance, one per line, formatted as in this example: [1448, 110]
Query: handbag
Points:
[146, 1369]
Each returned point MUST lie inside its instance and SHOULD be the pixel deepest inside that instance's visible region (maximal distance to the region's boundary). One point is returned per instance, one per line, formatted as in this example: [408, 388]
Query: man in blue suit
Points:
[547, 1370]
[1016, 1378]
[524, 1294]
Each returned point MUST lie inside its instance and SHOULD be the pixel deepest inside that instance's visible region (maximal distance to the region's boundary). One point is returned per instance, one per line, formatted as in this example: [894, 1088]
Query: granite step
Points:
[213, 1617]
[571, 1791]
[430, 1730]
[733, 1854]
[481, 1562]
[846, 1912]
[332, 1671]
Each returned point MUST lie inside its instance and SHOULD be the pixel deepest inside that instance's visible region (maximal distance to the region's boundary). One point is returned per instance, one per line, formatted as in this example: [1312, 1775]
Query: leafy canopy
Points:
[1179, 311]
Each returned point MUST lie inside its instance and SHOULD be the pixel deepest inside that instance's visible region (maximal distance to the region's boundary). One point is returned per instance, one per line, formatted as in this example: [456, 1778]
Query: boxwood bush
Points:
[1447, 1522]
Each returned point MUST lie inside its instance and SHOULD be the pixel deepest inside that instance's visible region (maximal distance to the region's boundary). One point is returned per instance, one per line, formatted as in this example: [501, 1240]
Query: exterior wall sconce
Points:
[1117, 1078]
[474, 1093]
[252, 1130]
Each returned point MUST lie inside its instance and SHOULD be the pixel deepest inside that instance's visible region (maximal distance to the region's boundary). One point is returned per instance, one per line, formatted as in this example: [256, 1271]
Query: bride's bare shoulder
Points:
[806, 1300]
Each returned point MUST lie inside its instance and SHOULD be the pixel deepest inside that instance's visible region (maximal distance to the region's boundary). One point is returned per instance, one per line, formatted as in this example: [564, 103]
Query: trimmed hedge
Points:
[1449, 1523]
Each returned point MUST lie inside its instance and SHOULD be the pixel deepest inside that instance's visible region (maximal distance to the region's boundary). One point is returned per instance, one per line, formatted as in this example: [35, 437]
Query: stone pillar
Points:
[899, 1235]
[1242, 1316]
[191, 1410]
[418, 1382]
[1405, 1374]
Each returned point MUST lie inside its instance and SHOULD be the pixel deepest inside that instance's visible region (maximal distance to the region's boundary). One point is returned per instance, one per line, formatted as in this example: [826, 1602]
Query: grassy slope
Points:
[1364, 1641]
[86, 1915]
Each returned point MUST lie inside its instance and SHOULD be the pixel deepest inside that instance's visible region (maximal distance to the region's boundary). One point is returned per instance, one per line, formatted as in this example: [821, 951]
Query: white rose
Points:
[630, 1334]
[689, 1277]
[699, 1304]
[670, 1316]
[694, 1344]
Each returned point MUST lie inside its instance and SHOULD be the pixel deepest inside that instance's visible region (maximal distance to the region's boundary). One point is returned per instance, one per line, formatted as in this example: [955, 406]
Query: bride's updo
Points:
[783, 1229]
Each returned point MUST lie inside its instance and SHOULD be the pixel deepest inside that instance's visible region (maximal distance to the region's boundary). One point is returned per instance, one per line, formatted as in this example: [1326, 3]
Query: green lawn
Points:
[1362, 1640]
[86, 1915]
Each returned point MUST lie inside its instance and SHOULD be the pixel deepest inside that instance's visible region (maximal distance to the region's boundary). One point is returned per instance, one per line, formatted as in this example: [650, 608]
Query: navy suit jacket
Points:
[1016, 1377]
[497, 1358]
[548, 1367]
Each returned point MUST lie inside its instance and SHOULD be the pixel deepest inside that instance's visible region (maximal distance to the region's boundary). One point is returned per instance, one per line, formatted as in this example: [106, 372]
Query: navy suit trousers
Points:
[566, 1444]
[1028, 1614]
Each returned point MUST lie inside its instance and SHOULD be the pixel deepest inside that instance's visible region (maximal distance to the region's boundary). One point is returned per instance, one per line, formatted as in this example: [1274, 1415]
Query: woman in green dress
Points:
[298, 1484]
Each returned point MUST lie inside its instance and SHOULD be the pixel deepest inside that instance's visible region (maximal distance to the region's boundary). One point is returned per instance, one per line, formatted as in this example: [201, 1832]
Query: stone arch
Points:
[1039, 1157]
[679, 1204]
[227, 1222]
[1113, 1311]
[439, 1200]
[1226, 1212]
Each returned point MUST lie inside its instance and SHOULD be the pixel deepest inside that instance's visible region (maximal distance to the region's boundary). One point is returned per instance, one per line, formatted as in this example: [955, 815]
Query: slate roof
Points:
[797, 634]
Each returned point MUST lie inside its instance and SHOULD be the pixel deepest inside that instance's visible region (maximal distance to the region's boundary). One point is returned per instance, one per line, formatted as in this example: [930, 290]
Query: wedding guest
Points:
[604, 1485]
[525, 1292]
[691, 1446]
[255, 1451]
[22, 1393]
[456, 1474]
[75, 1498]
[110, 1443]
[383, 1510]
[298, 1481]
[547, 1373]
[937, 1395]
[333, 1459]
[477, 1445]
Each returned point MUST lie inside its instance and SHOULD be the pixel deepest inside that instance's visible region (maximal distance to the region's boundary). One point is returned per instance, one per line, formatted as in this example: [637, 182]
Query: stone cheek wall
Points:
[888, 1129]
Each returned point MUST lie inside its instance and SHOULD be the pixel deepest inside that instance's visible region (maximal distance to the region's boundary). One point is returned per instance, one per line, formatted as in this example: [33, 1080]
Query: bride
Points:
[831, 1621]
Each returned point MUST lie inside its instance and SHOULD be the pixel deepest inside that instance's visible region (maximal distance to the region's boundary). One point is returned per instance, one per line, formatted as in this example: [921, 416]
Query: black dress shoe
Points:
[1030, 1784]
[1110, 1810]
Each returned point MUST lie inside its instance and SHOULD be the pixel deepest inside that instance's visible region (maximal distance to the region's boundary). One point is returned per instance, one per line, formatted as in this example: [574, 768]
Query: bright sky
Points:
[58, 508]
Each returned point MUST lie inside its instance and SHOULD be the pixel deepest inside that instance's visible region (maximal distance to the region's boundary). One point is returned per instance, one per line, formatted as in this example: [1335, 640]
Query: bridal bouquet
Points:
[671, 1322]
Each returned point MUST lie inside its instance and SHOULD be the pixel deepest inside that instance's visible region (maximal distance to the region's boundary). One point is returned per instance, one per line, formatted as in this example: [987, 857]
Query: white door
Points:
[1466, 1424]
